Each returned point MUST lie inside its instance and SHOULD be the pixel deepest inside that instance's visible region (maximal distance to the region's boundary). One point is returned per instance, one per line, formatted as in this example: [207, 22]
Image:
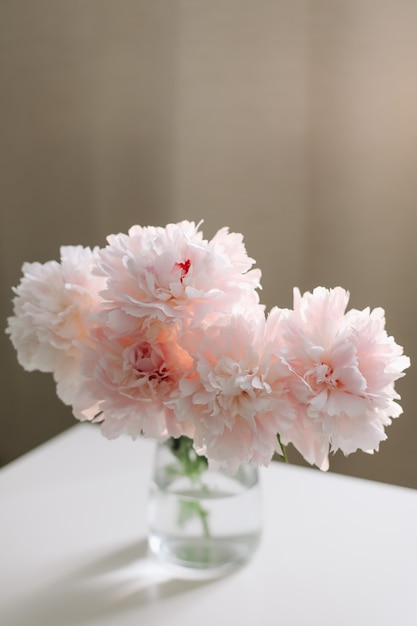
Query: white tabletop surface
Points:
[335, 550]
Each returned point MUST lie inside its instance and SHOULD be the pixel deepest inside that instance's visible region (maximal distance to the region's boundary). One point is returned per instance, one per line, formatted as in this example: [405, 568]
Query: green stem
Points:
[204, 520]
[193, 466]
[283, 449]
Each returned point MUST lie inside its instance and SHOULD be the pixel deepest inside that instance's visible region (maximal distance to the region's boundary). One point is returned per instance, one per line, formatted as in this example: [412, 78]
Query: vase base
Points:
[203, 557]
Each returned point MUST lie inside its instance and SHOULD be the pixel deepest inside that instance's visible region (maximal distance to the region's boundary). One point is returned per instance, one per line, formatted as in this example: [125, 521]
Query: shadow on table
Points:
[119, 582]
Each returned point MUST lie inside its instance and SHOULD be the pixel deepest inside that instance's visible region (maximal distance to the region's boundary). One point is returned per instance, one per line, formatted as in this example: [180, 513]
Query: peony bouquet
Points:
[161, 334]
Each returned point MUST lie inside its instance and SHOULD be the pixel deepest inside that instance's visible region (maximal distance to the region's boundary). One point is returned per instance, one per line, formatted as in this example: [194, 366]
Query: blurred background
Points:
[291, 121]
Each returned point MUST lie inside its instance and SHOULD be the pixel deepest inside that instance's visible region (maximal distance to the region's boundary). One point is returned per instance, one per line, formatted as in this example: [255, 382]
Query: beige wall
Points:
[291, 121]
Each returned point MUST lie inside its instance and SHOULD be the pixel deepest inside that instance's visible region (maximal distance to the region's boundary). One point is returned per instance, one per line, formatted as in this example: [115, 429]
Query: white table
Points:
[335, 550]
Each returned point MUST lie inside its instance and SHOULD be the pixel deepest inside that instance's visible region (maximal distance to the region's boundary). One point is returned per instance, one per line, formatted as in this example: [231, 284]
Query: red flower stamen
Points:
[185, 266]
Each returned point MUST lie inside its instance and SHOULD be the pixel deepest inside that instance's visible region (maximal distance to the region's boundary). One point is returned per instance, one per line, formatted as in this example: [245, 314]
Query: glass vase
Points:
[201, 520]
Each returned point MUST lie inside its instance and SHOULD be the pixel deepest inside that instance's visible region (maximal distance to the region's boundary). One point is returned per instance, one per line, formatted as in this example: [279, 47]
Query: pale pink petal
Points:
[348, 365]
[173, 274]
[54, 308]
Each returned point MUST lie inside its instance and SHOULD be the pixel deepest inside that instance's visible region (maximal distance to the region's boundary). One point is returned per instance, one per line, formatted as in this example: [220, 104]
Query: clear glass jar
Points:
[199, 519]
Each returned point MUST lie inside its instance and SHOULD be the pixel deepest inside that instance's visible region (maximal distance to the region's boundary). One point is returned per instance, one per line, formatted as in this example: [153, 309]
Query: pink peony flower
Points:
[129, 379]
[172, 274]
[236, 394]
[344, 367]
[53, 309]
[161, 334]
